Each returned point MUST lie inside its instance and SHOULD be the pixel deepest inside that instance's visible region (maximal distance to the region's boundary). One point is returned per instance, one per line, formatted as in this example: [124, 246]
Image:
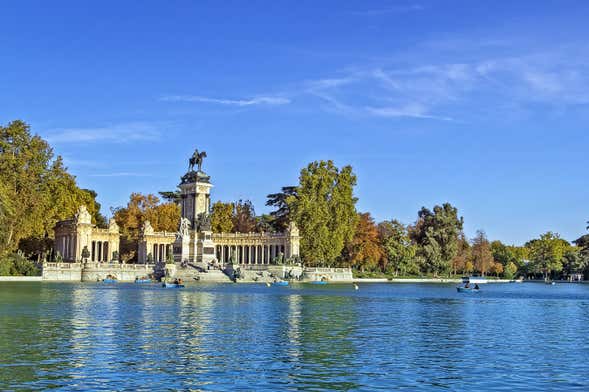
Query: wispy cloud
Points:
[117, 133]
[410, 110]
[395, 9]
[260, 100]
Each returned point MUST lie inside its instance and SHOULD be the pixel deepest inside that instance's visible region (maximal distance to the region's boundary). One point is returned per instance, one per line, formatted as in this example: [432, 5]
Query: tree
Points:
[436, 235]
[16, 264]
[482, 256]
[496, 268]
[222, 217]
[463, 255]
[399, 252]
[141, 208]
[266, 223]
[510, 270]
[36, 190]
[171, 196]
[364, 249]
[244, 217]
[282, 213]
[324, 210]
[547, 252]
[574, 262]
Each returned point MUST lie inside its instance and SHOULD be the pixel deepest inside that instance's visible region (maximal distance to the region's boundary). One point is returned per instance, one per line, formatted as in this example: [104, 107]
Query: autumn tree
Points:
[482, 257]
[244, 217]
[324, 210]
[141, 208]
[364, 249]
[463, 256]
[222, 217]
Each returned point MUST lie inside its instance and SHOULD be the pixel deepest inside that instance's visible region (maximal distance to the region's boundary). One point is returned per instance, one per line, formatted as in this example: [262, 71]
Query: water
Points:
[302, 337]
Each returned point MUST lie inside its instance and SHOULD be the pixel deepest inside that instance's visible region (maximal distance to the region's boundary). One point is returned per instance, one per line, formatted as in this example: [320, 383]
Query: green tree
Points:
[222, 217]
[510, 270]
[436, 234]
[324, 210]
[280, 201]
[574, 262]
[399, 252]
[36, 190]
[547, 252]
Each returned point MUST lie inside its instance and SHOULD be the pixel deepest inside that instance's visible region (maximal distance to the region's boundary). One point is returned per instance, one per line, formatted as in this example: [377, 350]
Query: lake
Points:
[302, 337]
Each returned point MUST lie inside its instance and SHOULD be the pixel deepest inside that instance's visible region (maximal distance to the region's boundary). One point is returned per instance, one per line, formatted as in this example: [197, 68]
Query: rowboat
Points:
[280, 283]
[172, 285]
[319, 282]
[467, 290]
[109, 280]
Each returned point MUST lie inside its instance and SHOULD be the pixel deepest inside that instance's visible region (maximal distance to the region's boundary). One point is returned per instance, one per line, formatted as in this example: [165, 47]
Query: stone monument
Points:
[195, 192]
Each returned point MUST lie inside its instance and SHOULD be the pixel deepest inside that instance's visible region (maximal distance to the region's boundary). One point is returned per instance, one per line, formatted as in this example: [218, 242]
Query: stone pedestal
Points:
[205, 248]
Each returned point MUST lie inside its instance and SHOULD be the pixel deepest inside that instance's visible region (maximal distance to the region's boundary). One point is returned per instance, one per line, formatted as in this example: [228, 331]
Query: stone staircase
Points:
[193, 273]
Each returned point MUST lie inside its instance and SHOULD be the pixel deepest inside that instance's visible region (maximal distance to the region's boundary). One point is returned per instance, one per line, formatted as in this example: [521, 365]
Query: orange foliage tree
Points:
[365, 250]
[141, 208]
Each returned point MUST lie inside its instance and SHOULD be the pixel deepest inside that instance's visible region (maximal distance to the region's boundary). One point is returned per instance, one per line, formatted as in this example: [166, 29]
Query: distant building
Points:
[194, 242]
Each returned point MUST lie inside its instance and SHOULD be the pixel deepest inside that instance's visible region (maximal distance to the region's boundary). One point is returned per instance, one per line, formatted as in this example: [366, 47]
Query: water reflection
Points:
[226, 337]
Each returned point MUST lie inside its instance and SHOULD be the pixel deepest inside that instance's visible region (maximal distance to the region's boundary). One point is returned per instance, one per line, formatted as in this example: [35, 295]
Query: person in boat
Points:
[476, 286]
[467, 285]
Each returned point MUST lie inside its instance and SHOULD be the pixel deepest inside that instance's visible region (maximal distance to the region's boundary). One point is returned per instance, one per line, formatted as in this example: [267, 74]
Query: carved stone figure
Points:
[203, 222]
[147, 228]
[196, 159]
[83, 216]
[184, 229]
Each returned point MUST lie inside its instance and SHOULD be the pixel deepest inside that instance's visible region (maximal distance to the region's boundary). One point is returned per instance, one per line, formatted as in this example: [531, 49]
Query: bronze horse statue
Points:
[196, 159]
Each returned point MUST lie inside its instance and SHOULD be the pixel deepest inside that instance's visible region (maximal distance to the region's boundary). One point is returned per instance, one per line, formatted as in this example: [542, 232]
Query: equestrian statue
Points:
[196, 159]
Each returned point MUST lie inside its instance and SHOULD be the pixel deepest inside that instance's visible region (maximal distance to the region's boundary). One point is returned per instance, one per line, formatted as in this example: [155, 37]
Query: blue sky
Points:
[483, 104]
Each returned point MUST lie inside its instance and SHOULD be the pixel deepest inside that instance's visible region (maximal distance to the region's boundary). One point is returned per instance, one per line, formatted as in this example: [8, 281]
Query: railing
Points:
[249, 235]
[322, 270]
[50, 266]
[113, 266]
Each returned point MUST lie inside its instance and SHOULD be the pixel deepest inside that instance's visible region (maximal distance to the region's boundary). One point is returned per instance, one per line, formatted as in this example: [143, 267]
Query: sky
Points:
[481, 104]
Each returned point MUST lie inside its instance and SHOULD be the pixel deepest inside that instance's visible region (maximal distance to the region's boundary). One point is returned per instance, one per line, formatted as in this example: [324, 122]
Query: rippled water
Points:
[251, 337]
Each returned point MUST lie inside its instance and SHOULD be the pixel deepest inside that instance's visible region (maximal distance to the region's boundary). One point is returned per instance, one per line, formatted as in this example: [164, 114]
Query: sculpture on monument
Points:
[184, 229]
[196, 159]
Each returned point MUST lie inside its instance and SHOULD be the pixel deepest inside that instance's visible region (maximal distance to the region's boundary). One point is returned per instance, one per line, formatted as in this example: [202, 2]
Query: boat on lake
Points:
[319, 282]
[110, 279]
[280, 283]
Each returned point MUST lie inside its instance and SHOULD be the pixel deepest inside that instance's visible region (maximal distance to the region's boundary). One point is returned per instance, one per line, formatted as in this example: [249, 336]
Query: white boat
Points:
[474, 279]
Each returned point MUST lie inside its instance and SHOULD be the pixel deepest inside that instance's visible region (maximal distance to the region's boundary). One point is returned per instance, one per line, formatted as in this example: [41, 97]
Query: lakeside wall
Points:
[92, 272]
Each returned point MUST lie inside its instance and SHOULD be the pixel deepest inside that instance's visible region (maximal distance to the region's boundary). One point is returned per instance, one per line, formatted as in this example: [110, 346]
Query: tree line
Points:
[36, 191]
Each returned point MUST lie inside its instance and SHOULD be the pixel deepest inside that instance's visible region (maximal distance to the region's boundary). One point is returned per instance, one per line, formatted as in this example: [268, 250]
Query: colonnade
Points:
[249, 254]
[99, 251]
[160, 252]
[67, 247]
